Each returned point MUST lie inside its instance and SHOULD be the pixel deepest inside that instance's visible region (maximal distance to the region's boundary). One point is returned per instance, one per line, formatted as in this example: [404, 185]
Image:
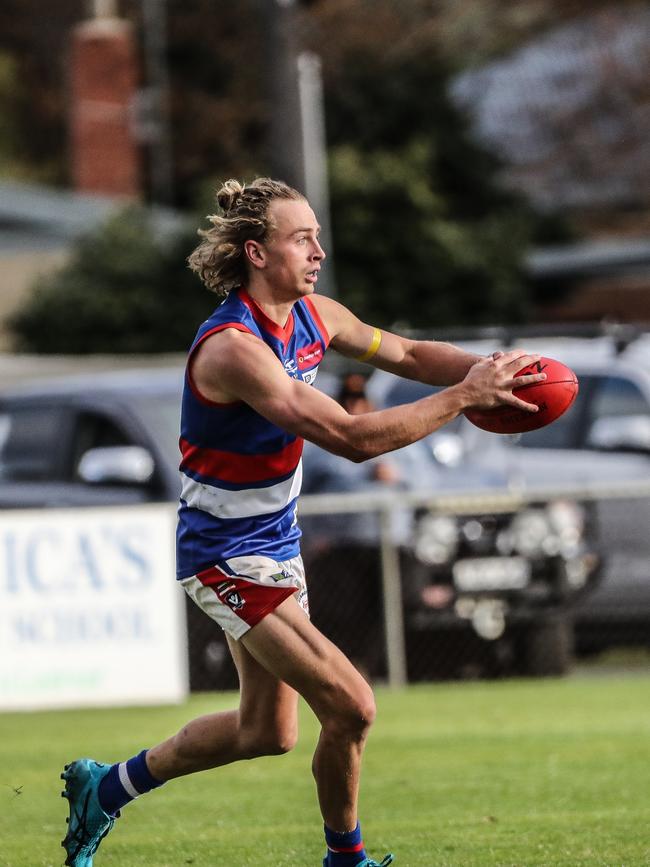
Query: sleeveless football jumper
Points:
[241, 474]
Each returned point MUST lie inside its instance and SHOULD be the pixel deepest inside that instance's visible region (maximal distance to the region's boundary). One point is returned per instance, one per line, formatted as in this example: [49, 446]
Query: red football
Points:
[553, 396]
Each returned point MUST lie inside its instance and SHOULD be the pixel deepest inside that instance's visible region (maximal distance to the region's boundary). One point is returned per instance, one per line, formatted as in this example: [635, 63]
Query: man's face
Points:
[292, 254]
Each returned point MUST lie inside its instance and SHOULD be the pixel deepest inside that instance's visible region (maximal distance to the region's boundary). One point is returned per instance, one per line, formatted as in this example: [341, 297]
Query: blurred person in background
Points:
[247, 405]
[409, 468]
[342, 551]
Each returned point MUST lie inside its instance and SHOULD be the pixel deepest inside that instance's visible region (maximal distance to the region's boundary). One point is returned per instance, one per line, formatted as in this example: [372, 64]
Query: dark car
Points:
[105, 439]
[91, 440]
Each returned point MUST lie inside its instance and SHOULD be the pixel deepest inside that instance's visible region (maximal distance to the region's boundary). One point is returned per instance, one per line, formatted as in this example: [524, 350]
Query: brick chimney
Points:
[104, 79]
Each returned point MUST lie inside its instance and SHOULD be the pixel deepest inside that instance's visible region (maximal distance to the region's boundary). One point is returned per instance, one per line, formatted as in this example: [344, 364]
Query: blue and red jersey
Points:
[241, 473]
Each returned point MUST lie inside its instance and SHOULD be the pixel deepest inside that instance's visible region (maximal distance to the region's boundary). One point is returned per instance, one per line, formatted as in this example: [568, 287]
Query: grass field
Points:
[509, 773]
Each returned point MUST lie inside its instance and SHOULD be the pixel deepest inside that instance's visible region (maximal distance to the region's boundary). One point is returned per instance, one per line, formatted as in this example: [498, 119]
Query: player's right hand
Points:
[490, 382]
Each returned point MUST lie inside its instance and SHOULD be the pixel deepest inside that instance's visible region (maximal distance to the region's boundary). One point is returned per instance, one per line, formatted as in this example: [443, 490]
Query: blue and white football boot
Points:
[88, 824]
[368, 862]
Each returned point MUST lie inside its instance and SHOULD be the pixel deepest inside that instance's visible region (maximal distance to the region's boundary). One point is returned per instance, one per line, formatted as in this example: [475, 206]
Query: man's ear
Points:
[255, 253]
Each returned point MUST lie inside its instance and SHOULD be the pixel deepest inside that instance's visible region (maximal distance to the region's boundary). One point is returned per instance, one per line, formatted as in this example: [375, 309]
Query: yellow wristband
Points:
[374, 346]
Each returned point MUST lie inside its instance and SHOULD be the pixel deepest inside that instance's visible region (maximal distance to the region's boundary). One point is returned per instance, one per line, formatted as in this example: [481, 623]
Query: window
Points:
[616, 395]
[94, 431]
[407, 391]
[566, 431]
[162, 413]
[29, 443]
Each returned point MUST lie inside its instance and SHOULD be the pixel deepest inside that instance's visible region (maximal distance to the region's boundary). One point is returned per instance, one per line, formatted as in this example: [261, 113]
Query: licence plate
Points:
[491, 573]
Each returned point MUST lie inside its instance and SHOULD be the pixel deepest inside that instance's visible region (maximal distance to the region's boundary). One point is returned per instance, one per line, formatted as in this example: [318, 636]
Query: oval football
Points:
[553, 396]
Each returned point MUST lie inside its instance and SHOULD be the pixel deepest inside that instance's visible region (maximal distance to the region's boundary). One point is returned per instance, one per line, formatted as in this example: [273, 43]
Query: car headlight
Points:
[436, 540]
[447, 449]
[555, 530]
[532, 534]
[568, 521]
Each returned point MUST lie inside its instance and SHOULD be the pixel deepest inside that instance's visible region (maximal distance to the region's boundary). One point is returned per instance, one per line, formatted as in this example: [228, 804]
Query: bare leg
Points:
[264, 724]
[292, 649]
[282, 656]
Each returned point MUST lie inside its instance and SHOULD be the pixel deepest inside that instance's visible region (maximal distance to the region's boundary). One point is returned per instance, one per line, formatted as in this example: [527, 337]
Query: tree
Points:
[125, 289]
[401, 259]
[423, 234]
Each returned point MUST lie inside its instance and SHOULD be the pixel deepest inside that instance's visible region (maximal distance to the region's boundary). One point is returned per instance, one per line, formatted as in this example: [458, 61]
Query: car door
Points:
[41, 443]
[33, 442]
[624, 523]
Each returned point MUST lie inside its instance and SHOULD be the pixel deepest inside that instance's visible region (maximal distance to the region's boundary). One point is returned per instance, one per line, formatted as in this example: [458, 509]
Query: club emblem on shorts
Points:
[234, 600]
[228, 594]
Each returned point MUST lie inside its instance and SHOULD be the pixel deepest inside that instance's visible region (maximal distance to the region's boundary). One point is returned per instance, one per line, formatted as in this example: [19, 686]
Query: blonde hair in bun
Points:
[219, 259]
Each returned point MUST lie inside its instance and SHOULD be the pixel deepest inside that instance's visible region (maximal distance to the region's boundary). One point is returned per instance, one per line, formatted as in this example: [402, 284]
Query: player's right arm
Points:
[232, 365]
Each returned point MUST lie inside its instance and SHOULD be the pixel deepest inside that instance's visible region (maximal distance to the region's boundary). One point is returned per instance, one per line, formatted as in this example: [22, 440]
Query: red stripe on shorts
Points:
[248, 600]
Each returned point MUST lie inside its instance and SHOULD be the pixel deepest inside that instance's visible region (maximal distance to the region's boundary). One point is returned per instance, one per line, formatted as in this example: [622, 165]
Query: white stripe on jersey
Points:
[247, 503]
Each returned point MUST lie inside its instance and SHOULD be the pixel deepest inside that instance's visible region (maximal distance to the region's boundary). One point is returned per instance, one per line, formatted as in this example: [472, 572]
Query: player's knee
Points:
[364, 712]
[269, 742]
[352, 718]
[281, 742]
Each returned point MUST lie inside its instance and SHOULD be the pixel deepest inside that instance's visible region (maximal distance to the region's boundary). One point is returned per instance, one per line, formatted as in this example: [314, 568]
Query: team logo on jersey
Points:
[309, 356]
[291, 367]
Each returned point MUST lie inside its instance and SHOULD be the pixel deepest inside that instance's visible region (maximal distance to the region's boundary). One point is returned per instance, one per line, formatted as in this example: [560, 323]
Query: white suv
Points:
[603, 438]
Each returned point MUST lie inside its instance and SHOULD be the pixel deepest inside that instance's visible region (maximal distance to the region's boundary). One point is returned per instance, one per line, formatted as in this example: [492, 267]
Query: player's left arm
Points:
[422, 360]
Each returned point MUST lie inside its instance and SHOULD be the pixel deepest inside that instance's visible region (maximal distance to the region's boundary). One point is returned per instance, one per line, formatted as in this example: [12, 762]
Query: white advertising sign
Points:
[90, 612]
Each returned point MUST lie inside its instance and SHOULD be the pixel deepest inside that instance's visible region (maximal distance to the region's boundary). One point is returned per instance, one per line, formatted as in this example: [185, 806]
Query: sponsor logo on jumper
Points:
[291, 367]
[310, 355]
[309, 375]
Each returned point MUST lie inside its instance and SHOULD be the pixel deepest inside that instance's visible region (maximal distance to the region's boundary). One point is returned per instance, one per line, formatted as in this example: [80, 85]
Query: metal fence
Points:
[488, 611]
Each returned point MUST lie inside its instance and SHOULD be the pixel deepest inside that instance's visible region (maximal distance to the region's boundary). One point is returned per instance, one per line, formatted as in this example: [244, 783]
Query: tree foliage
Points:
[420, 267]
[422, 232]
[33, 89]
[216, 59]
[125, 289]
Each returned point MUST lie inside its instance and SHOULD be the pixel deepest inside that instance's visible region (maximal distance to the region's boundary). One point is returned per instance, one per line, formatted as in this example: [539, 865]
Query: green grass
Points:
[510, 773]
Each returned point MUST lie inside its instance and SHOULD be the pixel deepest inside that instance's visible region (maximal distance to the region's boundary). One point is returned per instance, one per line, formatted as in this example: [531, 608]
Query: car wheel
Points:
[548, 646]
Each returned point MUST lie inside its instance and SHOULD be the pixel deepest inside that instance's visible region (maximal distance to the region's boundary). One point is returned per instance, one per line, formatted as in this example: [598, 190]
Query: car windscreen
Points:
[562, 434]
[406, 391]
[161, 415]
[27, 435]
[599, 397]
[565, 432]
